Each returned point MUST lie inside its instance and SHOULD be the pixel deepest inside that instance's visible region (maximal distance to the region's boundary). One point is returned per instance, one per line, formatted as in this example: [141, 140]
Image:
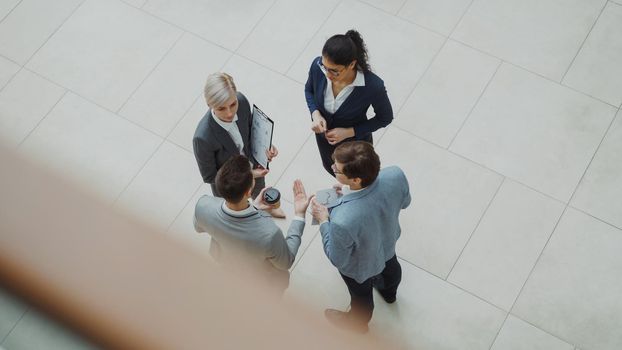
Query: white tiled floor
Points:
[507, 124]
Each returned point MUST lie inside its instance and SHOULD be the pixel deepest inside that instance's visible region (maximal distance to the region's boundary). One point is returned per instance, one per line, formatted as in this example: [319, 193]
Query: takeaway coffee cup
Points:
[272, 196]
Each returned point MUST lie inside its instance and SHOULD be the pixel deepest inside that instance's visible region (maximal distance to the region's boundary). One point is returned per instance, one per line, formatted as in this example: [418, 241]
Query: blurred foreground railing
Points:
[124, 286]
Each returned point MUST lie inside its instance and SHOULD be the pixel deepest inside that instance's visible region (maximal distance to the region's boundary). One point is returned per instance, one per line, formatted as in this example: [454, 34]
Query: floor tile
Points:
[163, 187]
[6, 6]
[441, 16]
[504, 248]
[449, 196]
[517, 334]
[30, 24]
[7, 71]
[170, 89]
[541, 36]
[208, 18]
[390, 6]
[285, 31]
[601, 188]
[432, 314]
[283, 102]
[86, 143]
[182, 229]
[307, 166]
[37, 331]
[534, 131]
[105, 66]
[135, 3]
[400, 61]
[12, 310]
[598, 66]
[446, 94]
[315, 281]
[23, 103]
[184, 131]
[574, 291]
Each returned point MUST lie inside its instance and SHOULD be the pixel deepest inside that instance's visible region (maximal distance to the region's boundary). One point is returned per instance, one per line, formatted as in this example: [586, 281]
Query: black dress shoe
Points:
[389, 299]
[344, 320]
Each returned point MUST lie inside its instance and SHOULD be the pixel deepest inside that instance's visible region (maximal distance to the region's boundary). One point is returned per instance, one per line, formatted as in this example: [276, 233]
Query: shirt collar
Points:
[359, 80]
[225, 125]
[238, 213]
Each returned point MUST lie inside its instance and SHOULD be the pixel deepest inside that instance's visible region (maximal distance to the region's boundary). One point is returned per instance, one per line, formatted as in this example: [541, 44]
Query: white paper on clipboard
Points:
[262, 128]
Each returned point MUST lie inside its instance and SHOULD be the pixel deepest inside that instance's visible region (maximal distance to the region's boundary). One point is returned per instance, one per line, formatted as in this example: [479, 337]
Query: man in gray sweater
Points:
[243, 234]
[360, 230]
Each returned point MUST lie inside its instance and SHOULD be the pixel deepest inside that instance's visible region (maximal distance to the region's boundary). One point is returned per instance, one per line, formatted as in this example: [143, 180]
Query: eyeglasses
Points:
[335, 170]
[333, 72]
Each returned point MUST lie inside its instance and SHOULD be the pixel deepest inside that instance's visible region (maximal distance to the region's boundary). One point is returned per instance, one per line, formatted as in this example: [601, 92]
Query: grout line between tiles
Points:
[168, 228]
[255, 26]
[140, 170]
[181, 35]
[293, 159]
[54, 32]
[451, 284]
[10, 11]
[317, 31]
[494, 340]
[41, 120]
[593, 156]
[542, 330]
[583, 42]
[460, 19]
[464, 121]
[532, 72]
[538, 259]
[401, 7]
[479, 164]
[595, 218]
[15, 325]
[8, 82]
[479, 221]
[284, 75]
[146, 12]
[94, 103]
[423, 74]
[381, 9]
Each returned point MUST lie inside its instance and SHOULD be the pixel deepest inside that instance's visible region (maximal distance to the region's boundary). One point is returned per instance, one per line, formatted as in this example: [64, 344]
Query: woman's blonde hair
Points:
[219, 88]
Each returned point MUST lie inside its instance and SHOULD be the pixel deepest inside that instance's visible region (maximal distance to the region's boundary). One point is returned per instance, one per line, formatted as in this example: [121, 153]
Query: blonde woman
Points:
[224, 132]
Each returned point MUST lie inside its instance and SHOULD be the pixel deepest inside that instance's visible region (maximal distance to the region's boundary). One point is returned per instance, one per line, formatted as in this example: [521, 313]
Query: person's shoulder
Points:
[203, 127]
[392, 172]
[241, 97]
[373, 81]
[315, 65]
[209, 201]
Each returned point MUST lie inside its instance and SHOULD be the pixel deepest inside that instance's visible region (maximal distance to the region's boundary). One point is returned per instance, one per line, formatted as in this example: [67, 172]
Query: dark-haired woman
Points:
[339, 91]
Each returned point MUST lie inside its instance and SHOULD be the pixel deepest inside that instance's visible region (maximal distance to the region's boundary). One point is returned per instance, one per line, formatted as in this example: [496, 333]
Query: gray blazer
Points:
[364, 226]
[254, 237]
[212, 144]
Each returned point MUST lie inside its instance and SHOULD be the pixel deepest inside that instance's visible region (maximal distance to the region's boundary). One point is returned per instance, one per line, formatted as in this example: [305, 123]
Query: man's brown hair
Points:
[359, 160]
[234, 178]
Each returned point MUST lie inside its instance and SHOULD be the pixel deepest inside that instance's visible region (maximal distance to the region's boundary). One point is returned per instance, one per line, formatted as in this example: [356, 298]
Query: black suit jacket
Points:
[212, 144]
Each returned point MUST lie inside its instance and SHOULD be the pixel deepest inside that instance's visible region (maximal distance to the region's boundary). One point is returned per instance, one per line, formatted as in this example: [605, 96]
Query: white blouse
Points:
[332, 103]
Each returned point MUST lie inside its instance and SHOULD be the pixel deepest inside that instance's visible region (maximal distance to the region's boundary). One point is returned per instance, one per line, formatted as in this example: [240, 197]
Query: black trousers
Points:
[326, 150]
[361, 294]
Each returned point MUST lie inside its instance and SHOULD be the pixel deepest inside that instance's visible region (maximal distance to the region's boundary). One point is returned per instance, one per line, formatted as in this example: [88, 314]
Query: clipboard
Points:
[262, 129]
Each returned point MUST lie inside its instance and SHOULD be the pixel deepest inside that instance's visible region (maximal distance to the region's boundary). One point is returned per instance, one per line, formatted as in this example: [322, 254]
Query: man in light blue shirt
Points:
[359, 232]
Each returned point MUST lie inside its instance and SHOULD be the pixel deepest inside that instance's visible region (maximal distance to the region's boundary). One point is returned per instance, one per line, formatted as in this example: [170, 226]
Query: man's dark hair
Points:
[234, 178]
[359, 160]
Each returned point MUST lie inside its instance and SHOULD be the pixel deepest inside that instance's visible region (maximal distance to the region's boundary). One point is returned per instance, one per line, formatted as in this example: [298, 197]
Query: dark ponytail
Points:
[342, 49]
